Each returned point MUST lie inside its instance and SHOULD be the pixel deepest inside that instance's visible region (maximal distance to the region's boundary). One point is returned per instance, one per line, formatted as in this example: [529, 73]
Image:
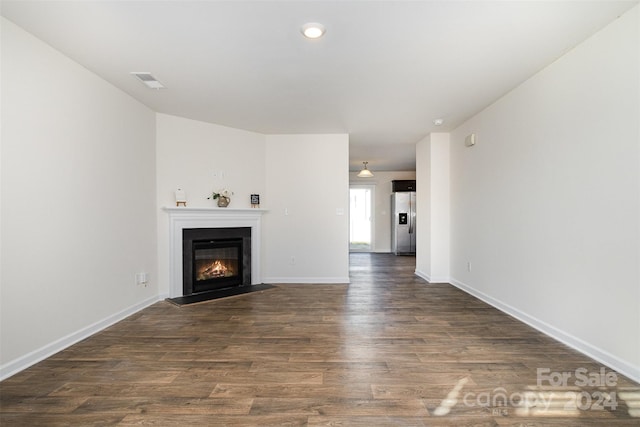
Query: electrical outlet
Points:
[142, 279]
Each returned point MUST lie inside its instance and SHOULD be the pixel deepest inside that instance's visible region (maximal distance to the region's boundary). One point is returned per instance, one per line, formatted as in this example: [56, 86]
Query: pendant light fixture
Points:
[365, 173]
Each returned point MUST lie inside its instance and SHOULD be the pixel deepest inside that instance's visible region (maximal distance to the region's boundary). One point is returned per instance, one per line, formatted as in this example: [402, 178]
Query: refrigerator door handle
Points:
[411, 220]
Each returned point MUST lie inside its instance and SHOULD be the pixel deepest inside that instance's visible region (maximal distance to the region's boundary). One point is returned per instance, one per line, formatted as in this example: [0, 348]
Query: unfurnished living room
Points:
[197, 224]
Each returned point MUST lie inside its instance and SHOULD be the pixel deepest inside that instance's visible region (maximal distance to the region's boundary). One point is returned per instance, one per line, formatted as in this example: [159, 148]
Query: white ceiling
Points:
[382, 73]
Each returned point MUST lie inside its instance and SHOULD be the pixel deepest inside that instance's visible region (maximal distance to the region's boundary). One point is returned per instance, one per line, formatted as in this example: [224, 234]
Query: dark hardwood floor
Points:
[387, 350]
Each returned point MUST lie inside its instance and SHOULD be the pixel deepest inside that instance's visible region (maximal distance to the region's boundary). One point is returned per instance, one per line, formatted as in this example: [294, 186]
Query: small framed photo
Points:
[255, 200]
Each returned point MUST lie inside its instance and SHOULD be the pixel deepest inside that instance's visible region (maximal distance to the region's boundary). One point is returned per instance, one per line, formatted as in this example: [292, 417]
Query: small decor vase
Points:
[223, 202]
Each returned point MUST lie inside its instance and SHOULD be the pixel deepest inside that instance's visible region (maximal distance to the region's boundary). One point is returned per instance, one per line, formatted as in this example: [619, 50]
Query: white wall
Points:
[307, 185]
[78, 202]
[423, 207]
[432, 246]
[204, 157]
[201, 158]
[382, 209]
[546, 206]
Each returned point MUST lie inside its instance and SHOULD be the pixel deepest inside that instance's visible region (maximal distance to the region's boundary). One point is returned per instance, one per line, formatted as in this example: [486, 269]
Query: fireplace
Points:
[215, 258]
[184, 218]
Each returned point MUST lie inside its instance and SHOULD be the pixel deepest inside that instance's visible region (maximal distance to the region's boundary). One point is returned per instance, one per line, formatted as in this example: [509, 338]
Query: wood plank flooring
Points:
[387, 350]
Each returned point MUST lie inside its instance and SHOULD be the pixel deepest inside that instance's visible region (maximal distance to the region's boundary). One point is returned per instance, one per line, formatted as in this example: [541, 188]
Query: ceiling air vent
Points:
[148, 80]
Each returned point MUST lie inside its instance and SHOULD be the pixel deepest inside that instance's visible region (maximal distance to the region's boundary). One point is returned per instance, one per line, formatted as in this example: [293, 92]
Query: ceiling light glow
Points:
[313, 30]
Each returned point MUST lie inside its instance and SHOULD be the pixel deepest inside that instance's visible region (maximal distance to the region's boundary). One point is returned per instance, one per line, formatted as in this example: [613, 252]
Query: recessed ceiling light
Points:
[438, 122]
[313, 30]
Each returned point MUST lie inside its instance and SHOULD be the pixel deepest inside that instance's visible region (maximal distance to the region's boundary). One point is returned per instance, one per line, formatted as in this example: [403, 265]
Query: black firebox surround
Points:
[191, 235]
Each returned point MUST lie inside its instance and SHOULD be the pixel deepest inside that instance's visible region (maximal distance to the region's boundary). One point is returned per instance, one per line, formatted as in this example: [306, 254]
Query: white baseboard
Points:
[23, 362]
[316, 280]
[602, 356]
[430, 279]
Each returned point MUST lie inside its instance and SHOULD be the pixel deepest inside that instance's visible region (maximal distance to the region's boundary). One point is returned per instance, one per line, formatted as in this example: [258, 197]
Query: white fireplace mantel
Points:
[183, 217]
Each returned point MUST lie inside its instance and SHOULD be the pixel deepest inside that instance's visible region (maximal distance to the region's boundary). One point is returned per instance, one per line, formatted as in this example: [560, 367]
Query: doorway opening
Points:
[361, 220]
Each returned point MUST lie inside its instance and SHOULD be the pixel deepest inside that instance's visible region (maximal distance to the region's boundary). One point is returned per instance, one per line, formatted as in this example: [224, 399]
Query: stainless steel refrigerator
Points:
[403, 226]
